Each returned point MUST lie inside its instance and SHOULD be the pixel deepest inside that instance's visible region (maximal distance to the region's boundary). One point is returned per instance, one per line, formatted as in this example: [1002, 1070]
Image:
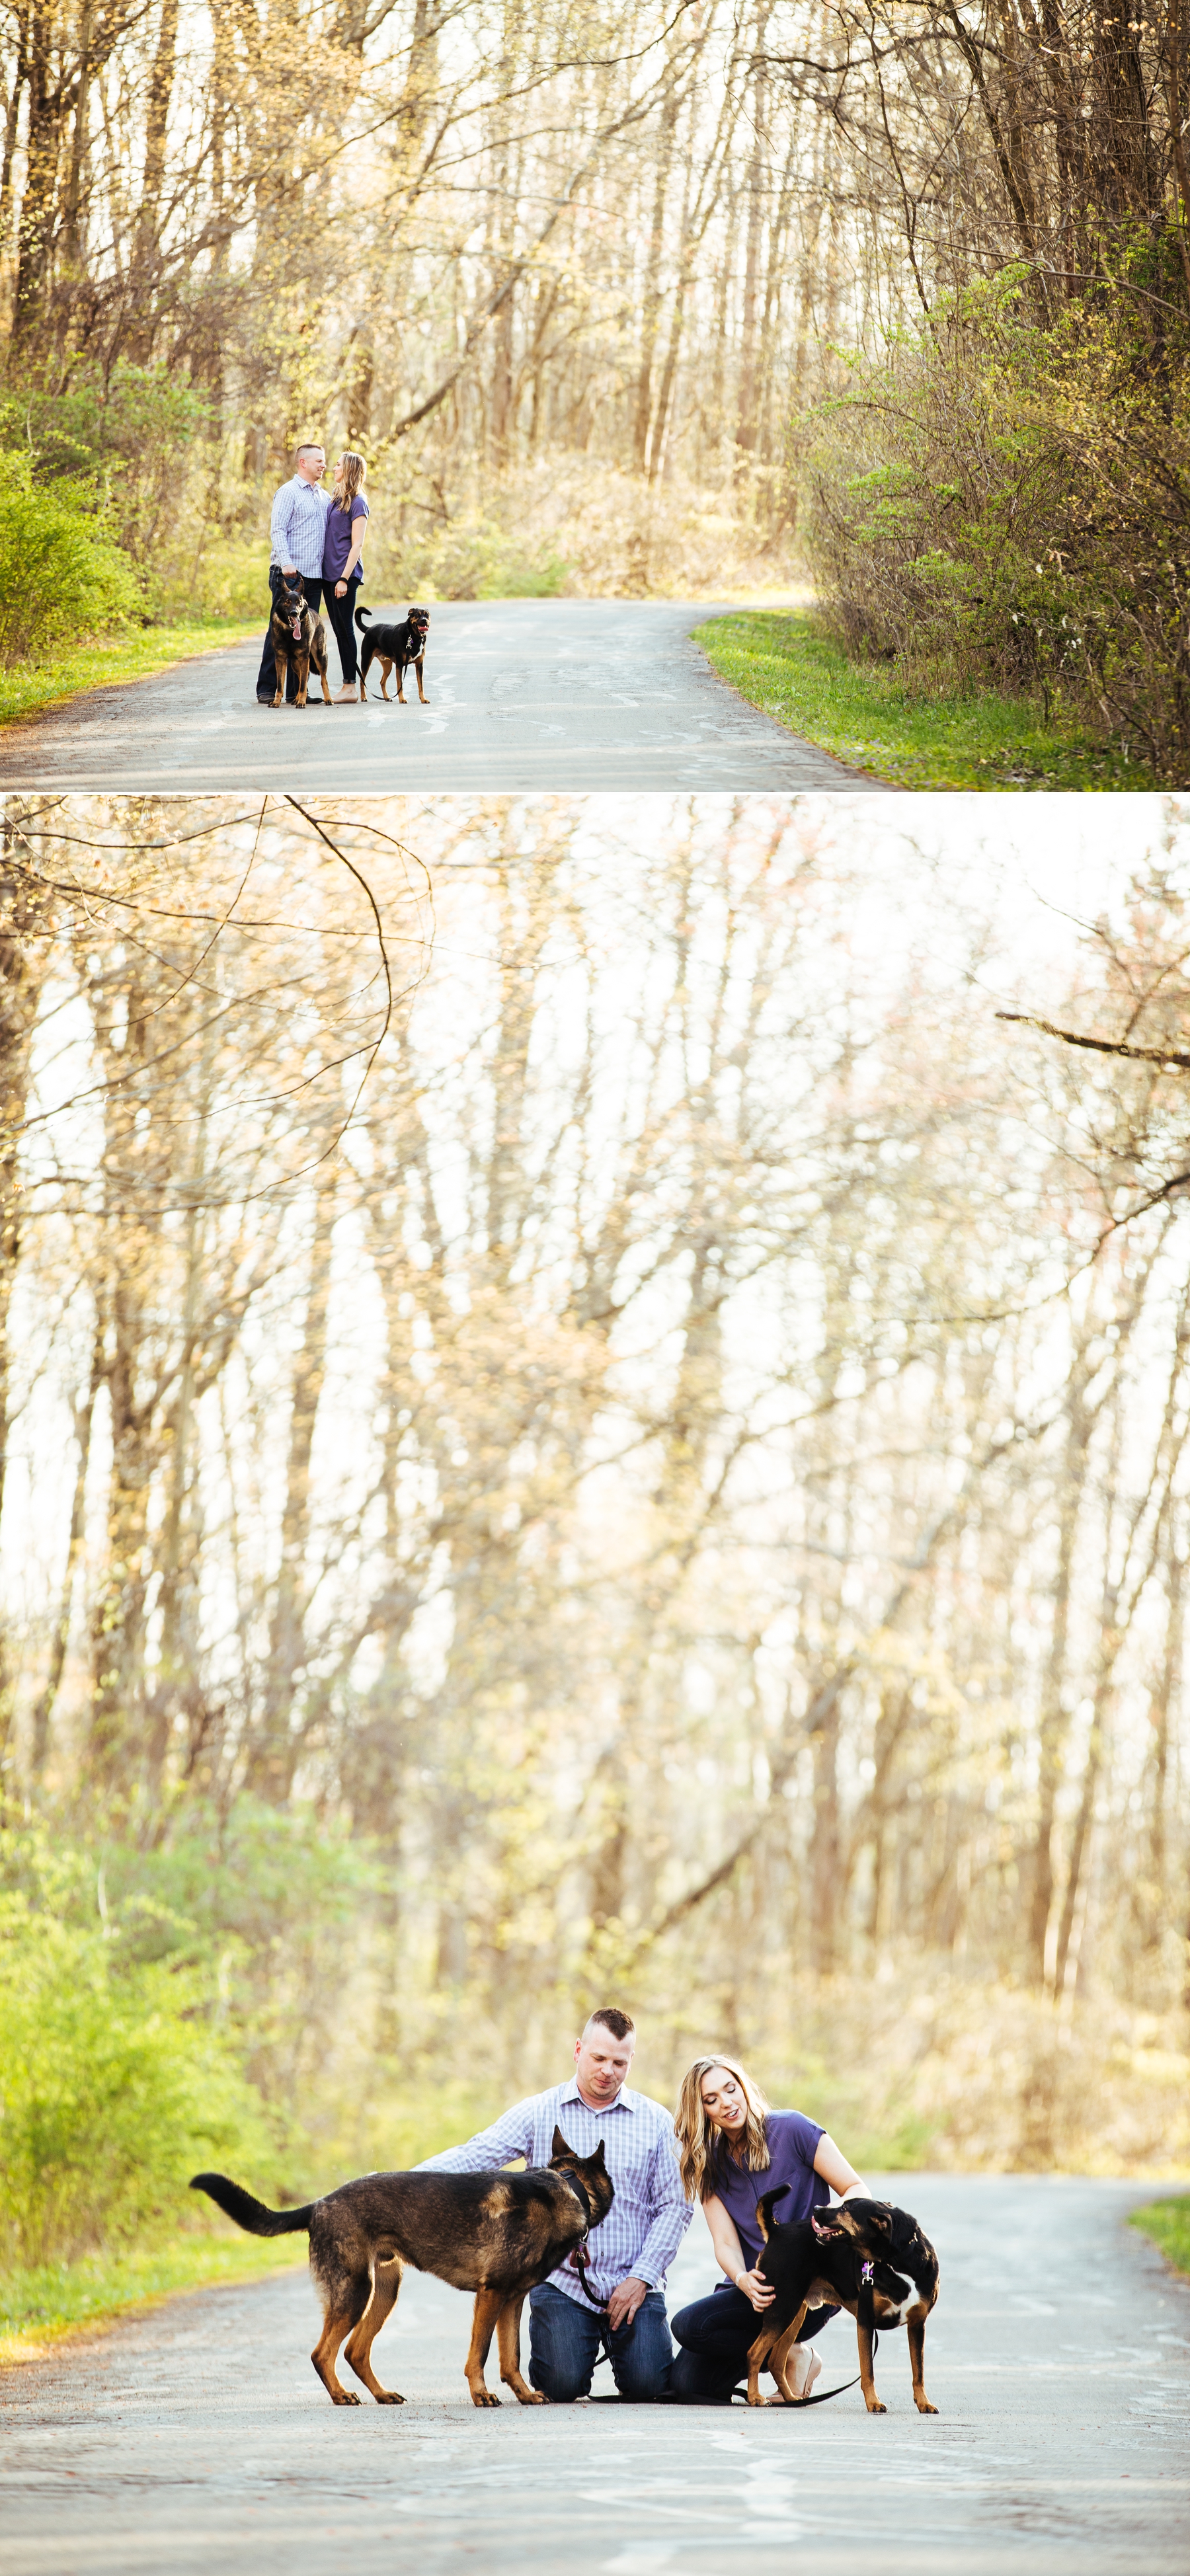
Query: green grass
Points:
[38, 2309]
[1168, 2223]
[863, 713]
[102, 659]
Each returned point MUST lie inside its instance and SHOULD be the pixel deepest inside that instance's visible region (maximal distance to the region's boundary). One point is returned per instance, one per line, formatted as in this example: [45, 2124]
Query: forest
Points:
[592, 1401]
[893, 298]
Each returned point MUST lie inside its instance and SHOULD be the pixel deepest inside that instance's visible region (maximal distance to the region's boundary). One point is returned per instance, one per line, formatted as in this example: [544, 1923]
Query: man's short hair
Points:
[620, 2024]
[309, 447]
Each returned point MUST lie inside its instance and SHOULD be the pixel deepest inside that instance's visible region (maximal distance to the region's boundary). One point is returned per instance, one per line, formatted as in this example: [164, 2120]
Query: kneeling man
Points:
[628, 2255]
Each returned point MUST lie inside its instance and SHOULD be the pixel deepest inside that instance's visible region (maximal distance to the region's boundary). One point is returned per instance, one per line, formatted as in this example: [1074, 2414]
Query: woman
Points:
[731, 2149]
[342, 562]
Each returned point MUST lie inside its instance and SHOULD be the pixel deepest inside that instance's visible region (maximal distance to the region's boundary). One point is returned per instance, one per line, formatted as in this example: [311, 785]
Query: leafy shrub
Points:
[60, 571]
[116, 2080]
[129, 433]
[475, 558]
[998, 502]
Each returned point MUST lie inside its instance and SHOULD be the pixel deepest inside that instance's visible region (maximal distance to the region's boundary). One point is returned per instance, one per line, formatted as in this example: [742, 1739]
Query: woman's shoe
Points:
[346, 698]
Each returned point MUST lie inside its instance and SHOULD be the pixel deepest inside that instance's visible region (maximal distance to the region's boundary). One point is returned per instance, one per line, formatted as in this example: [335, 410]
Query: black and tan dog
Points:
[845, 2258]
[498, 2234]
[396, 648]
[297, 636]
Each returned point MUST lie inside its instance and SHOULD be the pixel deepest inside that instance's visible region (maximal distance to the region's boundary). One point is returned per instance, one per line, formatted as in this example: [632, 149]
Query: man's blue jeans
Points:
[565, 2342]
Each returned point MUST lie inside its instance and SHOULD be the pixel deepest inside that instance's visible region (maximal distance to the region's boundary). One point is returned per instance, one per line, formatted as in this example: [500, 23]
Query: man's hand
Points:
[625, 2299]
[289, 571]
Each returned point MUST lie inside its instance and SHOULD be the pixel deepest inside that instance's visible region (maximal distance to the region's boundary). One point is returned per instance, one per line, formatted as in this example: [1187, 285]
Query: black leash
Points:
[820, 2397]
[577, 2255]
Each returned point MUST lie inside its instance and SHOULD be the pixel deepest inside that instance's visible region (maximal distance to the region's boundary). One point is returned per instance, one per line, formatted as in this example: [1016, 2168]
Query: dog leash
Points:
[577, 2255]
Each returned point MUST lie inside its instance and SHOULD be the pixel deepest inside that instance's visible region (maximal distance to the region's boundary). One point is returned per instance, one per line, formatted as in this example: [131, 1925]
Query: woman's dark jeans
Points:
[341, 613]
[714, 2335]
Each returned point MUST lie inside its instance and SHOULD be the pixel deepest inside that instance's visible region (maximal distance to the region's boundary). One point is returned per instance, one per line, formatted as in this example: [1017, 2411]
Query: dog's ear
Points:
[597, 2157]
[561, 2145]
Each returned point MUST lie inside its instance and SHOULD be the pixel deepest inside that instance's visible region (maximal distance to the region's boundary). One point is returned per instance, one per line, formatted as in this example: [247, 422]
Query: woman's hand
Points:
[755, 2288]
[340, 589]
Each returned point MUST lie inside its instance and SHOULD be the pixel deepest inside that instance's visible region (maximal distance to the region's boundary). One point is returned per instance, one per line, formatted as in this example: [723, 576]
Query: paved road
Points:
[1059, 2357]
[574, 695]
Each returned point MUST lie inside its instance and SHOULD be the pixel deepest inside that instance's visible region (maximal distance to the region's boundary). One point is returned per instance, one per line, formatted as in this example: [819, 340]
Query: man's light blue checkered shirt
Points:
[648, 2217]
[298, 526]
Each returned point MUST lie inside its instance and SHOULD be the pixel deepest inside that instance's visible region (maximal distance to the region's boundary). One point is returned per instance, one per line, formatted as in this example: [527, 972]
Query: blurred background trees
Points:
[583, 1416]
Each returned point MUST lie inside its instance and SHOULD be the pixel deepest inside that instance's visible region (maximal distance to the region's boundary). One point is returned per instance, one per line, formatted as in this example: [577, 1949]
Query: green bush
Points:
[1004, 502]
[129, 432]
[116, 2080]
[472, 558]
[60, 571]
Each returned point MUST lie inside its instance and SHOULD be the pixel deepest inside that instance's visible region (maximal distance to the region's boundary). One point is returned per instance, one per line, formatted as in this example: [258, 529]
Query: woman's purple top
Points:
[792, 2144]
[336, 545]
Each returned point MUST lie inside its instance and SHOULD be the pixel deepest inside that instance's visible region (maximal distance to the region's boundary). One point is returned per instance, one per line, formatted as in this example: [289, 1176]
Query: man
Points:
[628, 2254]
[298, 530]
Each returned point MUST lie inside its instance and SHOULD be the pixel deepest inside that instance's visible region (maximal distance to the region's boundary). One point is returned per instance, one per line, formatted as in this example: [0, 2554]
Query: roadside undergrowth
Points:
[103, 660]
[1168, 2223]
[863, 713]
[60, 2301]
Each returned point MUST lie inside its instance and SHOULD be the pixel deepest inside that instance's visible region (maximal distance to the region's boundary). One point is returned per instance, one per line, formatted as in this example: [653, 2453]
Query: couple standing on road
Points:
[321, 535]
[724, 2135]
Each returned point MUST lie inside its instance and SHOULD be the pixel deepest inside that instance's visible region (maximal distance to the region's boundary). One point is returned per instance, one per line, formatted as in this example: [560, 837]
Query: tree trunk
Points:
[275, 1746]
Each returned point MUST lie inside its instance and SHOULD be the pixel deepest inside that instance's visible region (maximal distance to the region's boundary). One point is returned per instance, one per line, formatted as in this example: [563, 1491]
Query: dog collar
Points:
[576, 2187]
[867, 2273]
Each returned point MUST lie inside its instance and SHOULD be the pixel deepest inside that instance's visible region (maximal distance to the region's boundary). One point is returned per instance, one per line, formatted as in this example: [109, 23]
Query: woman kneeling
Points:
[727, 2139]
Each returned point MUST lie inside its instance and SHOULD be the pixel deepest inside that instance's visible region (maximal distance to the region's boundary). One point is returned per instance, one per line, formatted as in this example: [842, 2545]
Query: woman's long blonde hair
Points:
[355, 475]
[701, 2146]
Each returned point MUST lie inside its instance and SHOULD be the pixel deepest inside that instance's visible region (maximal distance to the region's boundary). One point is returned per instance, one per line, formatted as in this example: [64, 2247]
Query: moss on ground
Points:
[786, 664]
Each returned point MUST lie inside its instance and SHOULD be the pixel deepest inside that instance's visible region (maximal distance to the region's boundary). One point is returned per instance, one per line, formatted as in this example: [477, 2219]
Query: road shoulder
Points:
[111, 662]
[784, 663]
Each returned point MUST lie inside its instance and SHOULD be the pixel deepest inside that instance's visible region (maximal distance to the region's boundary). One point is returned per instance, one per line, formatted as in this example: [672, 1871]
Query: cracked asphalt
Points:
[565, 695]
[1059, 2355]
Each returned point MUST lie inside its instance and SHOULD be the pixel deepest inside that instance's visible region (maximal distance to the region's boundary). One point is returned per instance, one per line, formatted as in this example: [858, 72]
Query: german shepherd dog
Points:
[297, 635]
[395, 648]
[844, 2258]
[498, 2234]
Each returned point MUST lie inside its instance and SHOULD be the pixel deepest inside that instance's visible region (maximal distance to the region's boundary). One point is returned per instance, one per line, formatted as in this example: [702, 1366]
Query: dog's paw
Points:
[387, 2397]
[345, 2397]
[875, 2406]
[483, 2397]
[531, 2397]
[924, 2407]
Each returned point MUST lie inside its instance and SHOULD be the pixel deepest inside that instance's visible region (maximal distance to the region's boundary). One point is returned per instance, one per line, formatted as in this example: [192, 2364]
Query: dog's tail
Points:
[251, 2214]
[764, 2209]
[360, 615]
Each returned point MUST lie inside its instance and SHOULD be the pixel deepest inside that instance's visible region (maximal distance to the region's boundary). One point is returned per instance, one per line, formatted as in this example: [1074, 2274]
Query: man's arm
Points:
[510, 2135]
[279, 527]
[671, 2217]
